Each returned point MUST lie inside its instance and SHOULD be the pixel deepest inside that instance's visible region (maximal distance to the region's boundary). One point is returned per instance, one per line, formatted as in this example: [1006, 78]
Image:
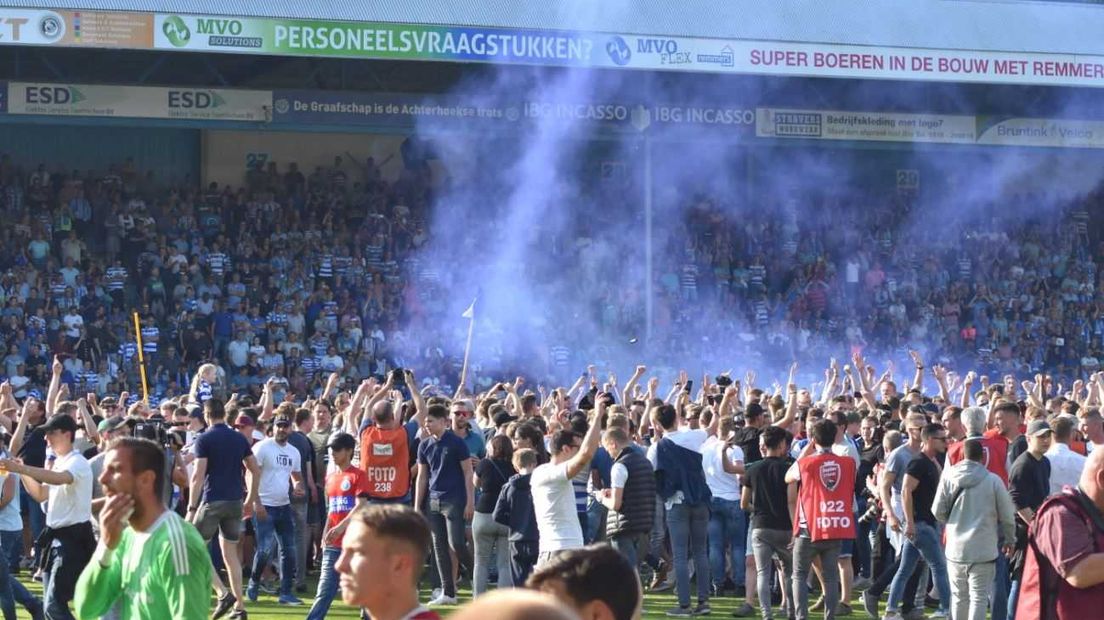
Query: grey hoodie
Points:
[974, 519]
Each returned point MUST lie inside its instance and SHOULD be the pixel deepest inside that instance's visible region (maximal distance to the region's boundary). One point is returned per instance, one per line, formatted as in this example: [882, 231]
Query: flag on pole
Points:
[470, 312]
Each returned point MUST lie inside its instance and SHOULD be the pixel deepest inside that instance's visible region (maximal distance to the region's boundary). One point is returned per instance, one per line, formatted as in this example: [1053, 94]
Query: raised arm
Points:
[627, 393]
[55, 387]
[90, 429]
[864, 382]
[416, 396]
[21, 426]
[266, 399]
[940, 374]
[331, 386]
[730, 394]
[918, 380]
[590, 441]
[791, 403]
[356, 408]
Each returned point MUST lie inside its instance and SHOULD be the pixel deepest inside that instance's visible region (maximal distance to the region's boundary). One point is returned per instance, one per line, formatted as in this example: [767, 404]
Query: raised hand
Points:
[939, 372]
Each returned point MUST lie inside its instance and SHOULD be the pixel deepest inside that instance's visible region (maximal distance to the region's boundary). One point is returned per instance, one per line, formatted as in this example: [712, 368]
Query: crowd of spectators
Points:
[298, 275]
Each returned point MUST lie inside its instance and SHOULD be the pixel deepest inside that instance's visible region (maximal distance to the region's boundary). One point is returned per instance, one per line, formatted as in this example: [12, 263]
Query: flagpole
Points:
[141, 358]
[470, 315]
[467, 353]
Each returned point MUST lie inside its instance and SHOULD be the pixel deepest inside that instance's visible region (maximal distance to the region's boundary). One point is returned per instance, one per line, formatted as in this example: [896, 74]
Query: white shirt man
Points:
[1065, 464]
[553, 494]
[277, 463]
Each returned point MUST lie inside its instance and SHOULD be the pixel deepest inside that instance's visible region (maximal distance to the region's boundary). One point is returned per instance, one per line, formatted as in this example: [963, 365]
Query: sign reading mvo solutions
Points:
[201, 104]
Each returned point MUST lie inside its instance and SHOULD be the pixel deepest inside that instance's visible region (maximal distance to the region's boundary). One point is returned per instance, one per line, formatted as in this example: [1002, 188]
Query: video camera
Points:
[158, 430]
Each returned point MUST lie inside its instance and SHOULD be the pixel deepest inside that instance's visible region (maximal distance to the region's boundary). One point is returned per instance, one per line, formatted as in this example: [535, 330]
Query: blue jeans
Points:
[596, 513]
[280, 524]
[328, 581]
[629, 545]
[57, 606]
[926, 543]
[1002, 587]
[11, 591]
[688, 525]
[1013, 598]
[726, 532]
[863, 548]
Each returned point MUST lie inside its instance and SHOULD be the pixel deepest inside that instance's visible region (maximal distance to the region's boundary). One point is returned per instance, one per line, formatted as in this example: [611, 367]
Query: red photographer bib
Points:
[824, 499]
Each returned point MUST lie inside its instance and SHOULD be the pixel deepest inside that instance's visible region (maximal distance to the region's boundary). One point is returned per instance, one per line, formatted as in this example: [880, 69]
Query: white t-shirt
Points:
[10, 521]
[722, 484]
[73, 323]
[70, 504]
[554, 508]
[276, 463]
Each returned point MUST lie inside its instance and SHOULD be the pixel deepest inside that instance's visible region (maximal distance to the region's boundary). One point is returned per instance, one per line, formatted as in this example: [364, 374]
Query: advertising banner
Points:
[297, 107]
[76, 28]
[1040, 132]
[199, 104]
[587, 49]
[300, 107]
[935, 128]
[863, 126]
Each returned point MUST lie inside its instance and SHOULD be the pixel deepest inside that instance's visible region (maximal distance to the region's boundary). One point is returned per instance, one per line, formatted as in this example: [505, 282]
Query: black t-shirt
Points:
[767, 480]
[1016, 448]
[926, 473]
[33, 450]
[492, 474]
[1029, 481]
[748, 440]
[300, 442]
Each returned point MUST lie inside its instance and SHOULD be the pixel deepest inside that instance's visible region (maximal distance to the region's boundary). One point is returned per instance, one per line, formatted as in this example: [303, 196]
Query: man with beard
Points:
[158, 567]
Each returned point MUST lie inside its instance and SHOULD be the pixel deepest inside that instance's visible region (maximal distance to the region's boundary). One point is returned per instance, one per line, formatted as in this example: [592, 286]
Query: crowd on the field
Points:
[275, 329]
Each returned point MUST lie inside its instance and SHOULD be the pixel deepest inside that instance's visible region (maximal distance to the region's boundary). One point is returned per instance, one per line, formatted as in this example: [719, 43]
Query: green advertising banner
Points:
[395, 41]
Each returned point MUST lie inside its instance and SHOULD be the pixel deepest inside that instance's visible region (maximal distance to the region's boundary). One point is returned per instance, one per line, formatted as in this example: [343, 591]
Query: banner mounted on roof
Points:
[586, 49]
[318, 38]
[76, 28]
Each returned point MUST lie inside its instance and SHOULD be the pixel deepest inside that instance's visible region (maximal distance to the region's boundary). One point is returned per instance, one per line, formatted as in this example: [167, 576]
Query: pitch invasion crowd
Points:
[975, 500]
[296, 296]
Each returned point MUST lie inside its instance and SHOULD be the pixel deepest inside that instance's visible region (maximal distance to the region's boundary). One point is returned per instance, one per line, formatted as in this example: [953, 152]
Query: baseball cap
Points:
[502, 418]
[342, 441]
[243, 420]
[60, 422]
[1038, 427]
[111, 424]
[281, 420]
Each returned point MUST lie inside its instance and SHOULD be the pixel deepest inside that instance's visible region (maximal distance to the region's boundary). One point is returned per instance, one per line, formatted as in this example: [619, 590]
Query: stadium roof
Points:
[1013, 26]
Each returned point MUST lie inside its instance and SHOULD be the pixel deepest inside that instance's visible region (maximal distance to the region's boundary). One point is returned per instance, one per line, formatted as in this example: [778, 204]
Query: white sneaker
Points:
[442, 600]
[891, 615]
[938, 614]
[435, 593]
